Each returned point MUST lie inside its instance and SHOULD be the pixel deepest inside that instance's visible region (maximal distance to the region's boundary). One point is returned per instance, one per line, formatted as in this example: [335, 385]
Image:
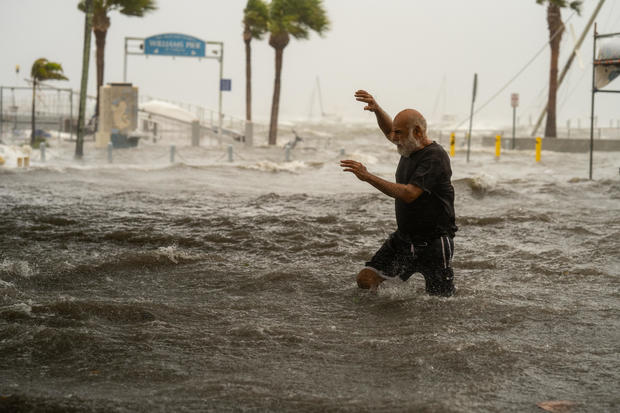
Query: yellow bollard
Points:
[26, 162]
[452, 144]
[498, 145]
[1, 161]
[538, 148]
[19, 162]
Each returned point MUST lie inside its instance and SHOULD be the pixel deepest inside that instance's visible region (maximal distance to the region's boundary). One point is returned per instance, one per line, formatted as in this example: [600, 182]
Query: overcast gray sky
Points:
[400, 50]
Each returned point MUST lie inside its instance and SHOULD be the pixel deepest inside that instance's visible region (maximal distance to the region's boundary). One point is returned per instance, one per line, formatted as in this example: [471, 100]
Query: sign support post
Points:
[514, 102]
[219, 105]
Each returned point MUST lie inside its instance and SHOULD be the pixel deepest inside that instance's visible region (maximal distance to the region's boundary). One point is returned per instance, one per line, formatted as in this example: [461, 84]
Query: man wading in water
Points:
[424, 198]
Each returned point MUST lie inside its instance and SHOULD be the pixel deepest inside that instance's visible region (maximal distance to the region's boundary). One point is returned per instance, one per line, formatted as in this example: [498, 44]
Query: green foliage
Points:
[136, 8]
[297, 17]
[42, 69]
[256, 18]
[574, 5]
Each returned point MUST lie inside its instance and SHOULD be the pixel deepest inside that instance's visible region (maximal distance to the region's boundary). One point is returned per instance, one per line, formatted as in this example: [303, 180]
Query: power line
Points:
[518, 73]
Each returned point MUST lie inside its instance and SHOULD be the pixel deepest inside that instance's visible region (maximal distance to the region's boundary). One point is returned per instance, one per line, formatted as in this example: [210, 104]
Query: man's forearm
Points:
[406, 193]
[384, 121]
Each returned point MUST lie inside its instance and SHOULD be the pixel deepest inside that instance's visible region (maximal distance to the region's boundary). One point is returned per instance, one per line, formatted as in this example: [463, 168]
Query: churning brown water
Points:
[229, 286]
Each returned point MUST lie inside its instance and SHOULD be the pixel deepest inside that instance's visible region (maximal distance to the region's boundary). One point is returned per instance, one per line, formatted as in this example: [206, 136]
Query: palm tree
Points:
[255, 18]
[101, 24]
[556, 29]
[290, 18]
[42, 69]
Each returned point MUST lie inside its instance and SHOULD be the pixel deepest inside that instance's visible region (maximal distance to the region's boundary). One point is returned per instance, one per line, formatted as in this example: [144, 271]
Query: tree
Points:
[290, 18]
[88, 25]
[255, 19]
[556, 29]
[42, 69]
[101, 24]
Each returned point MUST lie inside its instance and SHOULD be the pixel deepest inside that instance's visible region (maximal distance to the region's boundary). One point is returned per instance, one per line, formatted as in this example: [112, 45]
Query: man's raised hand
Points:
[356, 168]
[371, 103]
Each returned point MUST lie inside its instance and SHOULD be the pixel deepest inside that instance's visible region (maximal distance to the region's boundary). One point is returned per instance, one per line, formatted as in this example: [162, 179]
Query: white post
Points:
[219, 127]
[195, 133]
[249, 133]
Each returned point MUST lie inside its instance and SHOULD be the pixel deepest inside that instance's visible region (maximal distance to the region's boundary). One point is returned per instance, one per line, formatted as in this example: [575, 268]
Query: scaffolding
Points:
[601, 62]
[55, 110]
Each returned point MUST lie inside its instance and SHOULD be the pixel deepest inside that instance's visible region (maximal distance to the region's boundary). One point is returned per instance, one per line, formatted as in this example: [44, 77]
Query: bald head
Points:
[412, 120]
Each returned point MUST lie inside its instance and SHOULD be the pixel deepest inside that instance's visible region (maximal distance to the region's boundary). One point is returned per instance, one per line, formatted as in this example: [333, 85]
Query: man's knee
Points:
[368, 279]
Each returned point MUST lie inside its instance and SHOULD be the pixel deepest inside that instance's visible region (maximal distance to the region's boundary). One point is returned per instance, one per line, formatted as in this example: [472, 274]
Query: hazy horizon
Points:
[420, 54]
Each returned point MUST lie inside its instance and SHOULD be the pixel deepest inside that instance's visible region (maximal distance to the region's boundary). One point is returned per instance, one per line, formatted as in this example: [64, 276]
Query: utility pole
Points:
[88, 24]
[471, 114]
[514, 102]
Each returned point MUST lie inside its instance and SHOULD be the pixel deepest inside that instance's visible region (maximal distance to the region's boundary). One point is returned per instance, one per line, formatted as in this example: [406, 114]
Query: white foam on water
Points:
[172, 253]
[269, 166]
[18, 267]
[364, 158]
[6, 284]
[20, 307]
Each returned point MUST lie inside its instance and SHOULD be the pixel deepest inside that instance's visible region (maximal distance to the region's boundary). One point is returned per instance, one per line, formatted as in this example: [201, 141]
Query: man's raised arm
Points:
[383, 119]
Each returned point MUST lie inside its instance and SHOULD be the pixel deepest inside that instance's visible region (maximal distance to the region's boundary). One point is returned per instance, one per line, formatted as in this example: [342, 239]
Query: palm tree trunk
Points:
[554, 22]
[275, 104]
[88, 23]
[32, 121]
[248, 80]
[100, 36]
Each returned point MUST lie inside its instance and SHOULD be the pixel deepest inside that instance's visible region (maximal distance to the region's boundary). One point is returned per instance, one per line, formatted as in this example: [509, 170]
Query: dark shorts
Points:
[400, 258]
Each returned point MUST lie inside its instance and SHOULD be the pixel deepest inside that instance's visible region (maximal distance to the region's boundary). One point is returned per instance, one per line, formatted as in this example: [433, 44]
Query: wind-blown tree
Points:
[255, 19]
[290, 18]
[101, 24]
[42, 69]
[556, 29]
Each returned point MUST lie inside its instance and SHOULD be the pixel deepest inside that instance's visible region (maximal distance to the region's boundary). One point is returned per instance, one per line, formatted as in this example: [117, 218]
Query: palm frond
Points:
[298, 17]
[42, 69]
[256, 18]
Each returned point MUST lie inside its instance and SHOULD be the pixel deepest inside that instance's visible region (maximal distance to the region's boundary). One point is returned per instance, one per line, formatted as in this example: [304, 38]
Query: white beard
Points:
[409, 146]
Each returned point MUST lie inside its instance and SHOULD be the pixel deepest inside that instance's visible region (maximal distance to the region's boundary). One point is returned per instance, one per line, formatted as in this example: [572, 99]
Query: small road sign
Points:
[514, 100]
[225, 85]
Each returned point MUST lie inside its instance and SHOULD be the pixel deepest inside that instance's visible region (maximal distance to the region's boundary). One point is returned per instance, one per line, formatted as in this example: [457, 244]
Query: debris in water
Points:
[556, 406]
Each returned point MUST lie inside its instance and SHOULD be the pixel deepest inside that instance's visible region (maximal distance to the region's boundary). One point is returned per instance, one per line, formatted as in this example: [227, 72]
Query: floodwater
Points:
[208, 285]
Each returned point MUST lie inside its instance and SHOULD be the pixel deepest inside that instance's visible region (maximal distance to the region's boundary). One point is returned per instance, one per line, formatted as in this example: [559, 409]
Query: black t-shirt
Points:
[431, 215]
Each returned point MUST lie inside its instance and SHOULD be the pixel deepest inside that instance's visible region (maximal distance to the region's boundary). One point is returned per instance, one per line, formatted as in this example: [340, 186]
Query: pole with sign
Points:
[514, 102]
[177, 45]
[471, 114]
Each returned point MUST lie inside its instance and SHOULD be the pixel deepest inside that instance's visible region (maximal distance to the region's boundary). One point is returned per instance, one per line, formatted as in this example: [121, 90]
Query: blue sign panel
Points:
[226, 85]
[174, 44]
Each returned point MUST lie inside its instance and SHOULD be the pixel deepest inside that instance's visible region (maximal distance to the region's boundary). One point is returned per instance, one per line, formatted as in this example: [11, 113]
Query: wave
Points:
[161, 257]
[478, 186]
[84, 310]
[18, 268]
[293, 166]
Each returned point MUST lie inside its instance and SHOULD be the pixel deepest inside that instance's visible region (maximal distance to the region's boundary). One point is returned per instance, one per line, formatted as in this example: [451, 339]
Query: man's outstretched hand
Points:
[356, 167]
[371, 103]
